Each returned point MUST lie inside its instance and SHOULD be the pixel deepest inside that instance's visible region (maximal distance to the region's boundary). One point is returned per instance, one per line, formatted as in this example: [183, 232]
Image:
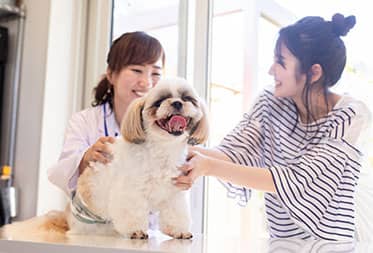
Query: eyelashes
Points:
[191, 99]
[158, 102]
[184, 95]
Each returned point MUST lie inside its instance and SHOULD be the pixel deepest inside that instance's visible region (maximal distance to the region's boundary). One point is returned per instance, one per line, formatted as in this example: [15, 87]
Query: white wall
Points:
[31, 95]
[50, 90]
[62, 91]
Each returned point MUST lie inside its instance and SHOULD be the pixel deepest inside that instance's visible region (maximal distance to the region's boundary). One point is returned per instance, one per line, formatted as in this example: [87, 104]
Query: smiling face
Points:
[289, 81]
[172, 108]
[134, 81]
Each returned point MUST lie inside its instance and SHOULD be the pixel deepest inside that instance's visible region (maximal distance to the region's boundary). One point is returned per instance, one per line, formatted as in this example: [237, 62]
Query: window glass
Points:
[267, 35]
[227, 94]
[157, 18]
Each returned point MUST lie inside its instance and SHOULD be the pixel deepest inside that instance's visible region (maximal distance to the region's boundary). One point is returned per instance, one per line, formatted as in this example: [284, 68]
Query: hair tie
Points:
[341, 25]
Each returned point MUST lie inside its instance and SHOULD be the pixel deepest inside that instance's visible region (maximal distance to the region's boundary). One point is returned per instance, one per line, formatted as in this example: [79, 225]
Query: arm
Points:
[249, 177]
[76, 152]
[99, 151]
[205, 165]
[211, 152]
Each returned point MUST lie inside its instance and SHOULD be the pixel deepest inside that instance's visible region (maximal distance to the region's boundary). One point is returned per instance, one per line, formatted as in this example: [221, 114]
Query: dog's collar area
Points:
[81, 212]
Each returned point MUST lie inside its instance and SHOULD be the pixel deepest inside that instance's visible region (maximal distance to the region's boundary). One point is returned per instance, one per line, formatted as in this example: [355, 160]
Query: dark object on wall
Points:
[3, 60]
[3, 45]
[5, 195]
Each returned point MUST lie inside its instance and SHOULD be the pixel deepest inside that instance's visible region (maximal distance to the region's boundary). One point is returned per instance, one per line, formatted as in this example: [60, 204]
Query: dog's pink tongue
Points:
[177, 123]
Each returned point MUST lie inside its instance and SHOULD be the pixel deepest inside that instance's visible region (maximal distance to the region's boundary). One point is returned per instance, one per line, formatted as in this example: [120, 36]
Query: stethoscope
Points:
[105, 124]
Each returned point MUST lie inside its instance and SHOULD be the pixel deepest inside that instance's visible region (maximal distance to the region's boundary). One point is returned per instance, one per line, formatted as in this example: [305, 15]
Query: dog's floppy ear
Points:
[132, 127]
[200, 132]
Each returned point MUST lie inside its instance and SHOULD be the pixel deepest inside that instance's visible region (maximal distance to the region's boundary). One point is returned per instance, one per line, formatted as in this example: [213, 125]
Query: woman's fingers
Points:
[100, 157]
[185, 168]
[100, 151]
[183, 182]
[191, 154]
[183, 187]
[106, 139]
[102, 146]
[110, 139]
[104, 149]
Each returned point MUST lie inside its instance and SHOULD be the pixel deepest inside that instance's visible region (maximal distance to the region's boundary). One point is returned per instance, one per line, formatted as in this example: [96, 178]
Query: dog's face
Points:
[170, 109]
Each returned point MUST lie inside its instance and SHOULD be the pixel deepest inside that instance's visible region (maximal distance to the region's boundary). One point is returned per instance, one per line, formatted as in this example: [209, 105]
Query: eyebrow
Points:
[182, 91]
[143, 65]
[185, 93]
[164, 95]
[280, 56]
[157, 67]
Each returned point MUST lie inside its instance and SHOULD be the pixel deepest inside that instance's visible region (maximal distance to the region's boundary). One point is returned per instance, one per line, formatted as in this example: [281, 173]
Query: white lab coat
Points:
[83, 130]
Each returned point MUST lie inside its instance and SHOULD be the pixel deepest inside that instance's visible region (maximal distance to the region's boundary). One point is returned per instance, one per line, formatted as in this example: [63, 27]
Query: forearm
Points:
[64, 173]
[82, 165]
[211, 152]
[249, 177]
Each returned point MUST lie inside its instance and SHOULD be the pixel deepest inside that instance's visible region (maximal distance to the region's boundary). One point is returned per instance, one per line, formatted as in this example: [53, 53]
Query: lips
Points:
[174, 124]
[139, 93]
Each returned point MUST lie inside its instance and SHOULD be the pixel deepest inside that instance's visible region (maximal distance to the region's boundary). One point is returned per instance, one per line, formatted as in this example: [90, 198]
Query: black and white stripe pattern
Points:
[315, 167]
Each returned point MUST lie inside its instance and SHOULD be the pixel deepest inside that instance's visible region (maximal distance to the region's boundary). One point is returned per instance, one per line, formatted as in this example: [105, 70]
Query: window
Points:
[239, 71]
[157, 18]
[267, 35]
[226, 105]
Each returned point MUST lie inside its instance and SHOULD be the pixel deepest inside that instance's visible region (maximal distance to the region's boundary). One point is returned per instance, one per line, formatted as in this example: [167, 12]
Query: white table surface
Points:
[158, 242]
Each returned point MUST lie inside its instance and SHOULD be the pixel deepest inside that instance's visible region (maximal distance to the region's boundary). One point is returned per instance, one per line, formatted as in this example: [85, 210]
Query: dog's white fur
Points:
[145, 159]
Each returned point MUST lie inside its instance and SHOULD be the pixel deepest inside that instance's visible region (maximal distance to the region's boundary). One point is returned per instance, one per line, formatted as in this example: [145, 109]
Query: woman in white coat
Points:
[134, 65]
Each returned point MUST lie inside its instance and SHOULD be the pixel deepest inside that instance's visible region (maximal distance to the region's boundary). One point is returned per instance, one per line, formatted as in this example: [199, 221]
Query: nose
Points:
[271, 70]
[146, 82]
[177, 105]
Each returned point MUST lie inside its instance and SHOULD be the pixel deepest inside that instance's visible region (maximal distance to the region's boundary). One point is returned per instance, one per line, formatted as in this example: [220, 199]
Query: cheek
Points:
[163, 110]
[151, 114]
[125, 79]
[192, 111]
[155, 80]
[301, 79]
[123, 85]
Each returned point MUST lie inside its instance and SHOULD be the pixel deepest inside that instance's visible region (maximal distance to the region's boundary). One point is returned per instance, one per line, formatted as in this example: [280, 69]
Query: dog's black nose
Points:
[177, 105]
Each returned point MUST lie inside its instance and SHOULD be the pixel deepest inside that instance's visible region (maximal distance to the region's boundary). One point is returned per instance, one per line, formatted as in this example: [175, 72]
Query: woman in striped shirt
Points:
[299, 141]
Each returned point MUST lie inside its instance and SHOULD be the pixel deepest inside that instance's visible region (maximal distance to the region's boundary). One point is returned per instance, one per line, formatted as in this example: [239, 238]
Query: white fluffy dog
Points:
[118, 196]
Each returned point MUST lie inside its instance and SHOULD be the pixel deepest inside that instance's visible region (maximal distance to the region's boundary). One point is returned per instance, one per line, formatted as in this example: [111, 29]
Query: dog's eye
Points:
[190, 99]
[158, 103]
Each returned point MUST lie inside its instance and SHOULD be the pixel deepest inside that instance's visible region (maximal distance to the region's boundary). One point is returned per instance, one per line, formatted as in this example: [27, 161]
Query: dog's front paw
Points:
[176, 234]
[186, 235]
[139, 235]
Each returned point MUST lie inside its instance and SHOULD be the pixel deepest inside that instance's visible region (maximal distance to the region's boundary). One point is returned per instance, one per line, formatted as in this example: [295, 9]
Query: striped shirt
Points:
[315, 167]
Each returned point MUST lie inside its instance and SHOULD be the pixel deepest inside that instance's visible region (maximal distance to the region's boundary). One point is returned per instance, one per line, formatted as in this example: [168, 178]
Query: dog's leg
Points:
[129, 214]
[175, 218]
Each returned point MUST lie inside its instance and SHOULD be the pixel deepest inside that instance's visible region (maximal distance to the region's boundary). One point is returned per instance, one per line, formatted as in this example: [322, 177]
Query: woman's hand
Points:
[196, 166]
[98, 152]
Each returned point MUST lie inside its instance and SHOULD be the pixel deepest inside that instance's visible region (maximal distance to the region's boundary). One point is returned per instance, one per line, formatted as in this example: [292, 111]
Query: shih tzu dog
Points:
[117, 197]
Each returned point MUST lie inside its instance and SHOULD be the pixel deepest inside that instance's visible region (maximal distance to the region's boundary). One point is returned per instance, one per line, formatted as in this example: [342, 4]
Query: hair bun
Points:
[342, 25]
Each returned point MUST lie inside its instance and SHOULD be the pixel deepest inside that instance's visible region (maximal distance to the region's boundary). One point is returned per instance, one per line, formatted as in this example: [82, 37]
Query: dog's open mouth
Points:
[174, 124]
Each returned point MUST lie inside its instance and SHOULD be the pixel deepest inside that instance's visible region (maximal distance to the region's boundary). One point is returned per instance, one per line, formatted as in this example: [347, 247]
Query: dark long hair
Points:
[129, 49]
[312, 40]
